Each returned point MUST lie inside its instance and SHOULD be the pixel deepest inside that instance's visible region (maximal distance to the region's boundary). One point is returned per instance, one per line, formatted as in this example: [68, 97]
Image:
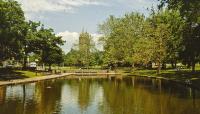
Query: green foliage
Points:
[97, 58]
[120, 36]
[189, 11]
[135, 39]
[71, 58]
[175, 26]
[11, 22]
[31, 39]
[19, 38]
[49, 46]
[85, 54]
[171, 34]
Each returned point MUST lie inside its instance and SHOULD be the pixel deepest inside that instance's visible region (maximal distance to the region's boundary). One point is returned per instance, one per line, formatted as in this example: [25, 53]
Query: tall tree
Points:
[30, 39]
[189, 10]
[49, 46]
[120, 36]
[171, 26]
[11, 22]
[175, 26]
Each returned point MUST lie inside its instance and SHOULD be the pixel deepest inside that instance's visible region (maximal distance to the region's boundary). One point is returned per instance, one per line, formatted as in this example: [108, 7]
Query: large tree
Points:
[175, 26]
[11, 24]
[189, 10]
[120, 37]
[30, 39]
[166, 32]
[135, 39]
[49, 45]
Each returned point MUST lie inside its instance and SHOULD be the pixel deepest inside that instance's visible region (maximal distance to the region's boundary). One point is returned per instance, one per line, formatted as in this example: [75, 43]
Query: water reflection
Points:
[2, 94]
[131, 95]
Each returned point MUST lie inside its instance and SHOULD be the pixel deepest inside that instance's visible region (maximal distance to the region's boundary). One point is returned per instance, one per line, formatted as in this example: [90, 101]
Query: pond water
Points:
[130, 95]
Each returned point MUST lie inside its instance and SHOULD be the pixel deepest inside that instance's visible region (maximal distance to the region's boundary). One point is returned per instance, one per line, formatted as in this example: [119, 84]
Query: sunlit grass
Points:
[181, 75]
[28, 74]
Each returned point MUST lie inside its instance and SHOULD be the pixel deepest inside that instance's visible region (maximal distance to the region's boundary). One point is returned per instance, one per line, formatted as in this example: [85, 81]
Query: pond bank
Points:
[183, 76]
[194, 83]
[48, 77]
[189, 81]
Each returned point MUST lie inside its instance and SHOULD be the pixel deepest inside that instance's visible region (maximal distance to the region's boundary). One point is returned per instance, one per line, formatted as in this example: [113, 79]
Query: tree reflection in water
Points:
[130, 95]
[154, 96]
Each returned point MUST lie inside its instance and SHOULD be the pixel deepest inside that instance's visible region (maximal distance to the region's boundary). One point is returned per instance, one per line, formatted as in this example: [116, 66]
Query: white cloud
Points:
[146, 3]
[35, 6]
[139, 5]
[72, 38]
[96, 40]
[143, 3]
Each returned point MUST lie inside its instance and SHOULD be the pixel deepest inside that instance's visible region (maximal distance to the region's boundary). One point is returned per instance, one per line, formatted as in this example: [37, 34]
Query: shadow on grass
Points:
[10, 74]
[184, 75]
[181, 75]
[144, 72]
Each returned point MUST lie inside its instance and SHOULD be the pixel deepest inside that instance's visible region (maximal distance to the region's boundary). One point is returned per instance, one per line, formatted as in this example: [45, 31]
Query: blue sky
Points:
[69, 17]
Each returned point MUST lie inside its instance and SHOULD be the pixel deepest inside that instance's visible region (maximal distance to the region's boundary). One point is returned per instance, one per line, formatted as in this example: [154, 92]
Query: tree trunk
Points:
[188, 65]
[133, 65]
[49, 67]
[149, 65]
[173, 65]
[164, 65]
[159, 68]
[25, 62]
[193, 66]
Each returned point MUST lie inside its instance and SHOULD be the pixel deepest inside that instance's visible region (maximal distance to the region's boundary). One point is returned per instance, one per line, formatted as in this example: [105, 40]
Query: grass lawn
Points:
[183, 74]
[9, 74]
[28, 74]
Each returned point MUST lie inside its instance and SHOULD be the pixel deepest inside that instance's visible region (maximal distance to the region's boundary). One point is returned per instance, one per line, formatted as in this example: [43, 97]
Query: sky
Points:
[69, 17]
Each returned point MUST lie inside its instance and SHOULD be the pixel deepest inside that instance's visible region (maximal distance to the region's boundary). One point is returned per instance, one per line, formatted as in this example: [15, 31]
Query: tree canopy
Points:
[19, 38]
[11, 24]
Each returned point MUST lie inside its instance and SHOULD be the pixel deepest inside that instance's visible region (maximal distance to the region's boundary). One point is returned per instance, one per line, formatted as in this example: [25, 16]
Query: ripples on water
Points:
[129, 95]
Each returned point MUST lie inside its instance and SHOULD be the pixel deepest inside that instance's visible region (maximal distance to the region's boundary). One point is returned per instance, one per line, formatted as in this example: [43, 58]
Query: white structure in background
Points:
[32, 64]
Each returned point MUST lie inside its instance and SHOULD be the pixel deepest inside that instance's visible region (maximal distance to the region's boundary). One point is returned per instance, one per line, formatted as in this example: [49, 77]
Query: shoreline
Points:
[55, 76]
[188, 82]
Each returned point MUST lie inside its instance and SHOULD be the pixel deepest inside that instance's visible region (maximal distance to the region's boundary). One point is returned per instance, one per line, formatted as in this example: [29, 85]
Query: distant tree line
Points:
[20, 38]
[170, 34]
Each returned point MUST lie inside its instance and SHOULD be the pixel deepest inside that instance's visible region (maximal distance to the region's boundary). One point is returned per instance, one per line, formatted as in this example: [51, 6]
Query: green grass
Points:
[10, 74]
[28, 74]
[144, 72]
[183, 74]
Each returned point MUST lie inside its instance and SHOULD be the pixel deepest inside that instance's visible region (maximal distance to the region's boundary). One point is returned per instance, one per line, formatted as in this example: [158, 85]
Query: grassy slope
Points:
[9, 74]
[166, 73]
[28, 74]
[183, 75]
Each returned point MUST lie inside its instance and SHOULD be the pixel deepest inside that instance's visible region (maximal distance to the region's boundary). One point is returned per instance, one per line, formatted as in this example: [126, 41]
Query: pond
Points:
[129, 95]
